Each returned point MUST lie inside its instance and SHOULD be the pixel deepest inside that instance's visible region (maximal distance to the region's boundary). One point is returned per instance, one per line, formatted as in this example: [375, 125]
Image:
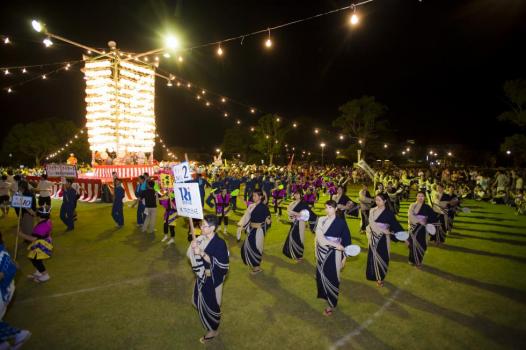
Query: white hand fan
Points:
[431, 229]
[304, 215]
[352, 250]
[402, 235]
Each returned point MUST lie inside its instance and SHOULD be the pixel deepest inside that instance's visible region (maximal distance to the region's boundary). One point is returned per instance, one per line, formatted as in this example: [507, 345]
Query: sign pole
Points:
[17, 231]
[191, 221]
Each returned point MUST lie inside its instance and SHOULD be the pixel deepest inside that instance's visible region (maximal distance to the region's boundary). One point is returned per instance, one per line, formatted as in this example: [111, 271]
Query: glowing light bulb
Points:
[508, 152]
[294, 125]
[341, 137]
[180, 59]
[238, 122]
[166, 55]
[354, 20]
[252, 129]
[172, 42]
[44, 77]
[385, 145]
[226, 114]
[223, 99]
[278, 120]
[37, 26]
[47, 42]
[268, 43]
[207, 103]
[169, 83]
[316, 131]
[9, 90]
[188, 85]
[6, 40]
[219, 51]
[24, 70]
[252, 110]
[6, 72]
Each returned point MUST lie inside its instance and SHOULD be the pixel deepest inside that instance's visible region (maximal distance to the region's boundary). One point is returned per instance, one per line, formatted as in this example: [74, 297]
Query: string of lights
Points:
[42, 65]
[43, 76]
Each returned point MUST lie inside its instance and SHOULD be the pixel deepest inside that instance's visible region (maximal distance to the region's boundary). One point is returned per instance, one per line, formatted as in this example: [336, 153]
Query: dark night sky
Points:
[439, 66]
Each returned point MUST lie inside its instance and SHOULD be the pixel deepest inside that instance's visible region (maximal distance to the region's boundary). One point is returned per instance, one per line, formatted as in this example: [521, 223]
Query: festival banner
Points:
[188, 200]
[61, 170]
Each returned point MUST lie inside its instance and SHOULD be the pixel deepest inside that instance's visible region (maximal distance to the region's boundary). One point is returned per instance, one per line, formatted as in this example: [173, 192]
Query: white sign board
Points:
[182, 172]
[19, 201]
[61, 170]
[188, 200]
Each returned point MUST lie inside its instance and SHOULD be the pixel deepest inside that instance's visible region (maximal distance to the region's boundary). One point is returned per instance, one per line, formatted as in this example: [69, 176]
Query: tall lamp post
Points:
[322, 145]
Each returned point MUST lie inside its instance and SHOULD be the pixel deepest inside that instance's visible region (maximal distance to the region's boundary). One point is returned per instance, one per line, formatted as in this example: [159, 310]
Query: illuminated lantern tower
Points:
[120, 107]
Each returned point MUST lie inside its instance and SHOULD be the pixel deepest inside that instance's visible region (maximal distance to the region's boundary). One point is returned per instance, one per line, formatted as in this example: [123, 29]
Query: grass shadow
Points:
[499, 334]
[491, 239]
[507, 292]
[491, 231]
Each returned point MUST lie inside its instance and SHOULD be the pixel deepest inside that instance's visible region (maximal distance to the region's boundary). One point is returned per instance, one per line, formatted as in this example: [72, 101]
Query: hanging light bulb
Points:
[44, 77]
[223, 99]
[226, 114]
[207, 103]
[9, 90]
[294, 125]
[24, 70]
[268, 42]
[169, 83]
[47, 42]
[341, 137]
[7, 41]
[6, 72]
[238, 122]
[316, 131]
[180, 58]
[67, 66]
[219, 50]
[354, 19]
[252, 110]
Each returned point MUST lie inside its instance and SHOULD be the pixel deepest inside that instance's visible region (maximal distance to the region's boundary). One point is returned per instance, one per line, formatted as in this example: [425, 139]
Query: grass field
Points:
[122, 289]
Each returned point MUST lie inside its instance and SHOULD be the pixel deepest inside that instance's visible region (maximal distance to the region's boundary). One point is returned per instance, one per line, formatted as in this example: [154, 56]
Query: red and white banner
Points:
[123, 171]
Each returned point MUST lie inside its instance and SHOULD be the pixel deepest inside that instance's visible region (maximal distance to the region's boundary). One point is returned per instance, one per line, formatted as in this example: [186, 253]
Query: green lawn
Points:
[122, 289]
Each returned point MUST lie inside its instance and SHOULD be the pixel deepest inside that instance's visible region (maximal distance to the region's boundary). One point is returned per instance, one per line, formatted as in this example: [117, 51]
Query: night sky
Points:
[438, 66]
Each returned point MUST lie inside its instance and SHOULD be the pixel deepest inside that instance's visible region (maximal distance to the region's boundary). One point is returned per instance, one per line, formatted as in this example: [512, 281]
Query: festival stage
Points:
[92, 184]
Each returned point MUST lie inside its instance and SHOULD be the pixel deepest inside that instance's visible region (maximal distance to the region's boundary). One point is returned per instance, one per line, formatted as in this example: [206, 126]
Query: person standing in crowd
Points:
[10, 337]
[382, 223]
[366, 201]
[222, 205]
[344, 204]
[202, 184]
[209, 258]
[27, 214]
[67, 209]
[44, 188]
[294, 243]
[419, 215]
[150, 207]
[440, 201]
[169, 217]
[141, 186]
[256, 221]
[4, 195]
[234, 187]
[332, 236]
[41, 245]
[116, 209]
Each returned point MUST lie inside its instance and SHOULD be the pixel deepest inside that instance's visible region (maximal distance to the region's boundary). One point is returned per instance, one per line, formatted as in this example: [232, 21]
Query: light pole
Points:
[322, 145]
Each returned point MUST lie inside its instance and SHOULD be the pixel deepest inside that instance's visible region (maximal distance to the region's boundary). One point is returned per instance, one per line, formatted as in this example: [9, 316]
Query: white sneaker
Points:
[171, 241]
[164, 238]
[42, 278]
[21, 338]
[34, 274]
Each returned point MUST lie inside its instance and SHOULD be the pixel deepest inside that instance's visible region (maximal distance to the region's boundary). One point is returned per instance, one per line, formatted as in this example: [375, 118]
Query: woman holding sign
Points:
[208, 255]
[256, 221]
[332, 238]
[419, 215]
[382, 223]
